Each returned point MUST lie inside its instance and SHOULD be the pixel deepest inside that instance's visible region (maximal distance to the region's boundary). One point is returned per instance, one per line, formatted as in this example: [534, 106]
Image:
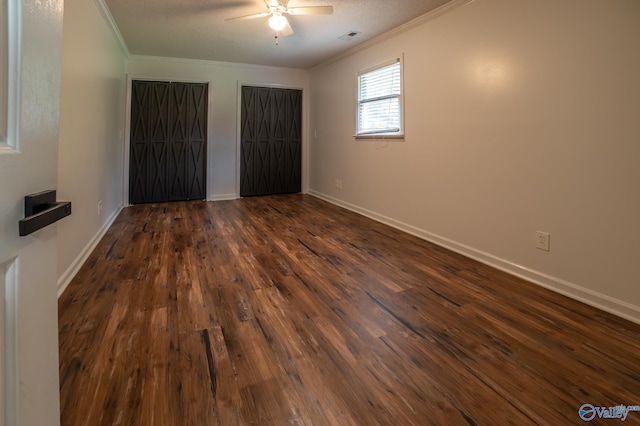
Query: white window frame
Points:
[382, 133]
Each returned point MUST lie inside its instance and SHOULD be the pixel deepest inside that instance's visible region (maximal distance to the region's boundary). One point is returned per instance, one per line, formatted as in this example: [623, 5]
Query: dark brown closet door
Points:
[271, 141]
[168, 142]
[188, 111]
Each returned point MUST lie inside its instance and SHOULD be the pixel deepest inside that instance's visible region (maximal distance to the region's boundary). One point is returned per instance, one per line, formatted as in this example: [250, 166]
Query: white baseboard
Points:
[598, 300]
[75, 266]
[223, 197]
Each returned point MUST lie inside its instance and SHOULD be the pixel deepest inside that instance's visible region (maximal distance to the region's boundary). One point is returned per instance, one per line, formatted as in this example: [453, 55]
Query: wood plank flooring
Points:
[289, 310]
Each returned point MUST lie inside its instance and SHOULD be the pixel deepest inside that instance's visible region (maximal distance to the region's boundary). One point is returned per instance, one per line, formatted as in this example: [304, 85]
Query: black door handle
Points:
[42, 209]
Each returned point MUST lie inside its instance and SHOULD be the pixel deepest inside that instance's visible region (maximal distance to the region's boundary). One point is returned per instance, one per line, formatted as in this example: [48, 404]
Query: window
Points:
[380, 101]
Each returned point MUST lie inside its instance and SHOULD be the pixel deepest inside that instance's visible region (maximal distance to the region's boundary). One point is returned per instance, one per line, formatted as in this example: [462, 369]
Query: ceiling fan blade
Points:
[247, 17]
[287, 30]
[193, 7]
[229, 4]
[311, 10]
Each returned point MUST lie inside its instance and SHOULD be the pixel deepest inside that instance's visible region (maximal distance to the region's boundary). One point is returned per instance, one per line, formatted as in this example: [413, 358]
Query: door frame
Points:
[303, 131]
[127, 127]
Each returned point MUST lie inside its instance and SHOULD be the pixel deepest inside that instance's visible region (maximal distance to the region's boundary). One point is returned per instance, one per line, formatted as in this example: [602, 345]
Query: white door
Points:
[30, 86]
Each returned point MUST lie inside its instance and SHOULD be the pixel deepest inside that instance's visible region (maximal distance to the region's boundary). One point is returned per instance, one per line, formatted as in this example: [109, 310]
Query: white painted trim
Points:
[445, 8]
[304, 173]
[127, 142]
[111, 23]
[13, 78]
[75, 266]
[222, 197]
[10, 290]
[574, 291]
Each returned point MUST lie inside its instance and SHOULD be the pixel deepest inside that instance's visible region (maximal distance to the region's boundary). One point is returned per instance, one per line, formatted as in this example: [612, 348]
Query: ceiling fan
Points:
[276, 11]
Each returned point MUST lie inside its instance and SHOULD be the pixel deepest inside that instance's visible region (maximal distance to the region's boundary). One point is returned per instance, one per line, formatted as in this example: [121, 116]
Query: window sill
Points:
[379, 137]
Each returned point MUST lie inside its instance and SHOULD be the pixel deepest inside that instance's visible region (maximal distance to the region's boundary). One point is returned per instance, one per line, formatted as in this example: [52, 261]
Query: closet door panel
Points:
[177, 167]
[158, 162]
[197, 142]
[293, 150]
[168, 141]
[262, 173]
[248, 137]
[277, 160]
[140, 137]
[270, 141]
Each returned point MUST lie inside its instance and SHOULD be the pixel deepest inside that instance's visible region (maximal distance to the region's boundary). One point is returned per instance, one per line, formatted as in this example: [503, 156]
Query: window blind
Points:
[379, 93]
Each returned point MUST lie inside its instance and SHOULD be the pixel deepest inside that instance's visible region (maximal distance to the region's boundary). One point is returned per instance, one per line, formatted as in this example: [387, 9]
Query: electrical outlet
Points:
[99, 207]
[542, 240]
[338, 184]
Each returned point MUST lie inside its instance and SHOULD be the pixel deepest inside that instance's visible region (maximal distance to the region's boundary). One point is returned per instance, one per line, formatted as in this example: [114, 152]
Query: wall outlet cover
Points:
[542, 240]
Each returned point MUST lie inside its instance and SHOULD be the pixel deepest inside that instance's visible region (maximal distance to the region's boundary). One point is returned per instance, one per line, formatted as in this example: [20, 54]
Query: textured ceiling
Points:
[196, 29]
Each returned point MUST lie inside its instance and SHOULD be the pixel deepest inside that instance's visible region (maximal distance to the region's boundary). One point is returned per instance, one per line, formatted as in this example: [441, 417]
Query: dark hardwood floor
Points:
[289, 310]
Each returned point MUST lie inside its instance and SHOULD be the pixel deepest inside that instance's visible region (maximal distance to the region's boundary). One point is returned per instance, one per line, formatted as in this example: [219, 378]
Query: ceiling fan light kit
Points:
[277, 20]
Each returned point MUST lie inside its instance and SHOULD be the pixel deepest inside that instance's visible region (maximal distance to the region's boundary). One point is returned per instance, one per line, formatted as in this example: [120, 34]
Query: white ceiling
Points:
[196, 29]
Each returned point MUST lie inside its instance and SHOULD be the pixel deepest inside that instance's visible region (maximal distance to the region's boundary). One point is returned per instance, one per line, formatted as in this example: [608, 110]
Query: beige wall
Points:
[96, 74]
[520, 116]
[91, 131]
[224, 80]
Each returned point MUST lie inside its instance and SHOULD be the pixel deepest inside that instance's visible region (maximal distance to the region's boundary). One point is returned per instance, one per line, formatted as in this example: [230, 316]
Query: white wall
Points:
[520, 116]
[90, 165]
[224, 80]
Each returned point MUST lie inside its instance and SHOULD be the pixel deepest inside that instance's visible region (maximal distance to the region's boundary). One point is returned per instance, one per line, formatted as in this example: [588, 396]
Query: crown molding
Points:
[111, 23]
